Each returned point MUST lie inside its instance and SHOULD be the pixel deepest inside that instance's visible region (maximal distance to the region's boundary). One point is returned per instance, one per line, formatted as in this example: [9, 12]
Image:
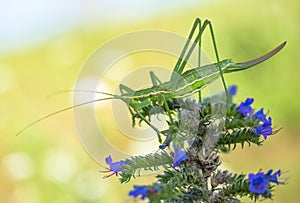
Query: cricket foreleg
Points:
[136, 108]
[141, 116]
[155, 80]
[128, 92]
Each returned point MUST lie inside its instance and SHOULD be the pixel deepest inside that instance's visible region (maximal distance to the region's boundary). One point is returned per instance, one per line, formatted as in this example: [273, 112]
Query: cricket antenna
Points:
[60, 111]
[82, 91]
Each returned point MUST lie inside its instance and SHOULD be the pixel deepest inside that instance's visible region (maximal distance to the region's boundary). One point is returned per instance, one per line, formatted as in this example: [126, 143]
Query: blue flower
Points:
[259, 182]
[179, 156]
[265, 129]
[144, 191]
[245, 107]
[139, 190]
[260, 115]
[114, 167]
[273, 177]
[232, 90]
[167, 141]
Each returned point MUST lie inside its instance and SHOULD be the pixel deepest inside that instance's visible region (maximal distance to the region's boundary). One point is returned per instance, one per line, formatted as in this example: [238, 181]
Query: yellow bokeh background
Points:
[47, 163]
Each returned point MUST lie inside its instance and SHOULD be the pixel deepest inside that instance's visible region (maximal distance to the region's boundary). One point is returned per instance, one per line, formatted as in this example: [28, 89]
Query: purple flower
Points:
[139, 190]
[232, 90]
[144, 191]
[260, 115]
[245, 107]
[273, 177]
[265, 129]
[114, 167]
[259, 182]
[167, 141]
[179, 156]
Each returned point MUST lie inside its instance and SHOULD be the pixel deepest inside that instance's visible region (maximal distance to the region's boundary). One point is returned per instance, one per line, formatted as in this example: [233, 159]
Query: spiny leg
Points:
[155, 80]
[129, 92]
[146, 121]
[125, 91]
[207, 22]
[218, 59]
[181, 64]
[199, 58]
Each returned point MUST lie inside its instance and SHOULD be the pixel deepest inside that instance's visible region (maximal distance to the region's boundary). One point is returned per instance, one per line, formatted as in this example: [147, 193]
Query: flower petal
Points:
[179, 156]
[260, 115]
[115, 167]
[265, 129]
[139, 190]
[258, 183]
[245, 107]
[108, 160]
[232, 90]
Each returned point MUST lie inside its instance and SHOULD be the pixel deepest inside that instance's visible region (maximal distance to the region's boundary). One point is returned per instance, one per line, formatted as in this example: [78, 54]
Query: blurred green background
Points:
[44, 45]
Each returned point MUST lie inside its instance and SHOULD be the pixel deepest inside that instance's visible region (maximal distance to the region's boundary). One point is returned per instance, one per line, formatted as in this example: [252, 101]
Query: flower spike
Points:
[245, 107]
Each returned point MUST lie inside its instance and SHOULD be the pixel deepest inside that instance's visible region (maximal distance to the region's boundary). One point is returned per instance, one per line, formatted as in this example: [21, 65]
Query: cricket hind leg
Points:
[217, 57]
[209, 24]
[182, 61]
[198, 39]
[154, 79]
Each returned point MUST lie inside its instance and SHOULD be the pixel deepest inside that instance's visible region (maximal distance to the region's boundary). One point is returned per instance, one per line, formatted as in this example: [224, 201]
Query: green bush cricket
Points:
[181, 84]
